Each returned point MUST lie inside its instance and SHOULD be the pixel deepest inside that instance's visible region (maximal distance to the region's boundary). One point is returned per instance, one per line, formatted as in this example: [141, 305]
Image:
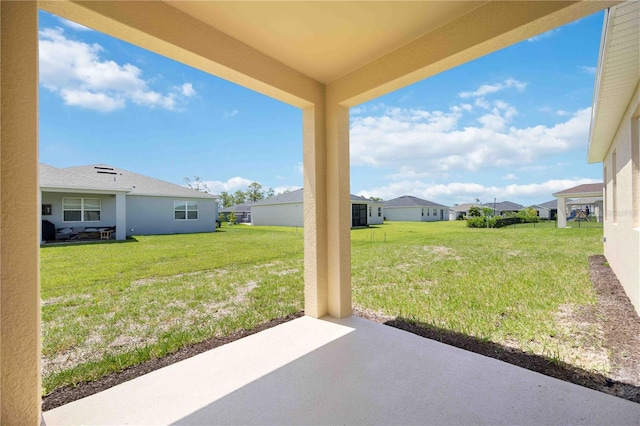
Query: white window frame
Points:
[82, 210]
[186, 209]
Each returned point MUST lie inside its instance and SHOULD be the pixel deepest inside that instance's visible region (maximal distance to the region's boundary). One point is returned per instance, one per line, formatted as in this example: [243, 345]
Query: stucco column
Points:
[562, 212]
[121, 216]
[338, 211]
[327, 226]
[19, 214]
[315, 211]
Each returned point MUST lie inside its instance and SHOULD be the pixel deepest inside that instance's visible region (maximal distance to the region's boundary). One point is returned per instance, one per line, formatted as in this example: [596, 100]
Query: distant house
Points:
[242, 212]
[503, 207]
[547, 210]
[460, 211]
[574, 201]
[95, 197]
[287, 210]
[414, 209]
[614, 140]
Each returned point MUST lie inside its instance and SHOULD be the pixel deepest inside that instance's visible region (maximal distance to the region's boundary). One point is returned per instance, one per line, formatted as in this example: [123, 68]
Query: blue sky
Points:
[512, 125]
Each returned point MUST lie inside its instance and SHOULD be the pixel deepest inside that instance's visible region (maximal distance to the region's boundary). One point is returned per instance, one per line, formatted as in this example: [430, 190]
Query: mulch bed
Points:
[614, 313]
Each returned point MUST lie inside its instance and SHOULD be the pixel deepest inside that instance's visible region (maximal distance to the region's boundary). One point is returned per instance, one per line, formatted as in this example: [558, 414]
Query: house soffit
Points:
[617, 76]
[325, 40]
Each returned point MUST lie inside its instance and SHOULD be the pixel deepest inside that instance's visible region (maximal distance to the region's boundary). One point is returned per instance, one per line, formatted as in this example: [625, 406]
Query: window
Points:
[81, 209]
[435, 212]
[185, 210]
[422, 212]
[428, 210]
[379, 211]
[370, 210]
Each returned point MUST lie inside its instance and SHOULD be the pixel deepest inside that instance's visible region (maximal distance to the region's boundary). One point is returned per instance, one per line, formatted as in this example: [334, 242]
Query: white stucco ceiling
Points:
[326, 40]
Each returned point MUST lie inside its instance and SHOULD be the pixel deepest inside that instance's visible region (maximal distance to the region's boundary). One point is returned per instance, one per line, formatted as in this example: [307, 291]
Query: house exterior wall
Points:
[373, 218]
[278, 215]
[414, 214]
[293, 214]
[622, 221]
[148, 215]
[107, 209]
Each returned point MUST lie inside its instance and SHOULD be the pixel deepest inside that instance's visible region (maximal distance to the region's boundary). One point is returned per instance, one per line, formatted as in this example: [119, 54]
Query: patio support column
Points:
[121, 216]
[315, 211]
[338, 211]
[562, 212]
[327, 226]
[19, 214]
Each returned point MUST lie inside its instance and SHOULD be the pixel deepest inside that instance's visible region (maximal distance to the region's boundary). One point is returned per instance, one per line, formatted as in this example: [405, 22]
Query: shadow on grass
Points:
[52, 244]
[540, 364]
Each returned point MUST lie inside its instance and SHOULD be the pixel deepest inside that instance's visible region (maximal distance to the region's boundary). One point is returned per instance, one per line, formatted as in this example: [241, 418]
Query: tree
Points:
[226, 199]
[232, 218]
[375, 198]
[474, 211]
[270, 193]
[487, 211]
[196, 184]
[528, 214]
[254, 192]
[239, 197]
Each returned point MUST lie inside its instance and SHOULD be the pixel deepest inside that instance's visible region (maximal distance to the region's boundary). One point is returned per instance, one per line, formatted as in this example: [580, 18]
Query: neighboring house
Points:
[503, 207]
[242, 212]
[614, 141]
[574, 201]
[460, 211]
[287, 210]
[547, 210]
[102, 196]
[414, 209]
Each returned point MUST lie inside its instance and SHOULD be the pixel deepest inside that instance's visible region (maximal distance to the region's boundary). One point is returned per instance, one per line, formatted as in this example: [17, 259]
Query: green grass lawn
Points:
[108, 306]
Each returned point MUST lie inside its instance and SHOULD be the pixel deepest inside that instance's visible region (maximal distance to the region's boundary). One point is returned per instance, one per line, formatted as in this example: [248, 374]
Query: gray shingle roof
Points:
[238, 208]
[464, 207]
[53, 177]
[297, 197]
[138, 184]
[587, 188]
[504, 206]
[553, 204]
[410, 201]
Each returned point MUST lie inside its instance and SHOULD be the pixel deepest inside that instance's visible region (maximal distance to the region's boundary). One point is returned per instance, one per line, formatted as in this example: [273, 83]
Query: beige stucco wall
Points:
[19, 215]
[621, 231]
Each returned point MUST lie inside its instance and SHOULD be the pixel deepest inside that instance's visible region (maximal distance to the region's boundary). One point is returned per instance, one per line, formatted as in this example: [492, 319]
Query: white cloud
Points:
[300, 168]
[466, 192]
[510, 176]
[542, 36]
[282, 189]
[231, 185]
[435, 142]
[77, 73]
[589, 70]
[230, 114]
[487, 89]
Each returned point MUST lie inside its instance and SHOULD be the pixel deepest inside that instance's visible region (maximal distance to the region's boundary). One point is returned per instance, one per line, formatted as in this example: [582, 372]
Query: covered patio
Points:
[324, 58]
[344, 371]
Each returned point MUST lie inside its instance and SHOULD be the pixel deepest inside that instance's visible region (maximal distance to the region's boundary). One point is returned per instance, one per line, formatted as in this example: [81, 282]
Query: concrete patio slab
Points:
[348, 371]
